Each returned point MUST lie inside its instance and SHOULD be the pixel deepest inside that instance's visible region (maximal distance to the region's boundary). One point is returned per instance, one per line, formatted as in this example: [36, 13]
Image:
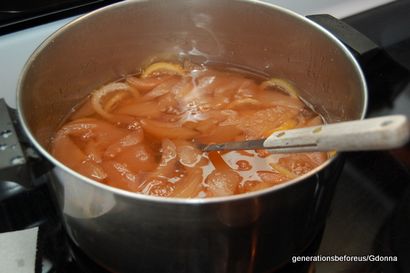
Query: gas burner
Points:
[56, 247]
[56, 252]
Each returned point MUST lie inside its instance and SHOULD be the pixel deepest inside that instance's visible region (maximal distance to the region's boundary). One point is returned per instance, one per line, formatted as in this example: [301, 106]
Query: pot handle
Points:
[19, 162]
[385, 77]
[359, 45]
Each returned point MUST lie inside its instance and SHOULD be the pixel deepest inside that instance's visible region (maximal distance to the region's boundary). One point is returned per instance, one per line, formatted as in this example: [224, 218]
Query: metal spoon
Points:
[380, 133]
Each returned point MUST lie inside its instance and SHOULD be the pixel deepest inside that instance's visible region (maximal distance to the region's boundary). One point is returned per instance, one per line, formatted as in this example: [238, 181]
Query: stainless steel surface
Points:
[129, 232]
[380, 133]
[232, 146]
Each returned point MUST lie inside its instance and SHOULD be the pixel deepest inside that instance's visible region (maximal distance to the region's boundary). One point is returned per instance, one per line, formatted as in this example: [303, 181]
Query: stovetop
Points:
[19, 14]
[370, 214]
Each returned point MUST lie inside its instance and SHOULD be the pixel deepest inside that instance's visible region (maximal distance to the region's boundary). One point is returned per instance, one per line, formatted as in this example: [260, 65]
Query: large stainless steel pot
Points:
[129, 232]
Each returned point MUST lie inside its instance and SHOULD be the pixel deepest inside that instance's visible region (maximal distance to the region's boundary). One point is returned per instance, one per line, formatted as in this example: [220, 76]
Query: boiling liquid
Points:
[141, 133]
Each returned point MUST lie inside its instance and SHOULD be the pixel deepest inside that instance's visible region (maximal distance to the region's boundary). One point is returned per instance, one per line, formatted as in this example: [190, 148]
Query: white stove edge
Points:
[15, 48]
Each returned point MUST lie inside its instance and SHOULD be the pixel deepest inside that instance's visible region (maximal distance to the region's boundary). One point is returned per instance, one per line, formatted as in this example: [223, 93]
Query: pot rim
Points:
[173, 200]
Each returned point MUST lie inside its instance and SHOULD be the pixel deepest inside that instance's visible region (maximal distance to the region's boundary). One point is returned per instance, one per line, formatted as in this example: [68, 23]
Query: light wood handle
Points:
[386, 132]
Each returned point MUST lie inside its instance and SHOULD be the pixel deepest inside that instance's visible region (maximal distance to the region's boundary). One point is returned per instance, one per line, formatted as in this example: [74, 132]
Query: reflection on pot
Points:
[83, 201]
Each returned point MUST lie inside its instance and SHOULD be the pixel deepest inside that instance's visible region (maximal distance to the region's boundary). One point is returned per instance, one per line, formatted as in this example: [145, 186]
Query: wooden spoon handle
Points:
[360, 135]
